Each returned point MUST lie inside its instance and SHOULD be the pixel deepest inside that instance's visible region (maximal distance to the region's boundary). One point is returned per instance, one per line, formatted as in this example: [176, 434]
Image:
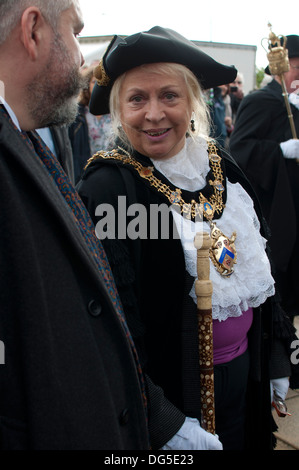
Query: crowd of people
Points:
[107, 173]
[223, 103]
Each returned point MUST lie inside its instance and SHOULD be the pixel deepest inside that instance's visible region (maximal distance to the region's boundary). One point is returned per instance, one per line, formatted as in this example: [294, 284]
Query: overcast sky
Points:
[243, 22]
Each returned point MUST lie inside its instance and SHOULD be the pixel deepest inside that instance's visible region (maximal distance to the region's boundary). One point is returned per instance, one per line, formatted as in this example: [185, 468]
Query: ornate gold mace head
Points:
[278, 54]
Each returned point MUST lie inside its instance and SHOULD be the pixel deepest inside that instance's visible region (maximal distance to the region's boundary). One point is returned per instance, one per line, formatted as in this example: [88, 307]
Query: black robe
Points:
[261, 125]
[153, 284]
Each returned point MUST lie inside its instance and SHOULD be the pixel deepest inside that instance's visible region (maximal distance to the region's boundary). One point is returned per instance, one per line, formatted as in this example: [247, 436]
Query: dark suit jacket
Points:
[69, 380]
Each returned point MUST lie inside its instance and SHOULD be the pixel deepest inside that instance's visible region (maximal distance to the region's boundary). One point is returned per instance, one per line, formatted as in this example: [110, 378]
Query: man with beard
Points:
[69, 373]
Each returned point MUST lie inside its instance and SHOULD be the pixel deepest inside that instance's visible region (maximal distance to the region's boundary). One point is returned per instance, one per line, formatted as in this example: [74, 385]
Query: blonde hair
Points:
[200, 115]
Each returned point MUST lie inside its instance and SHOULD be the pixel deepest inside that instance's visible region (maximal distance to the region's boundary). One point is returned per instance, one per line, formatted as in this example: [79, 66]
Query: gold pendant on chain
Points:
[223, 252]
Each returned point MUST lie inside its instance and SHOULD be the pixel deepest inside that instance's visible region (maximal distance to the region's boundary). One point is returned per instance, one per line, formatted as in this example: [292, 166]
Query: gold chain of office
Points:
[203, 208]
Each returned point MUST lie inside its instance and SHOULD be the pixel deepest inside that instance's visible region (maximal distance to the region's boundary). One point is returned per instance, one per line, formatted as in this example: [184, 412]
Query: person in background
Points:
[219, 100]
[217, 112]
[71, 378]
[236, 94]
[152, 84]
[228, 120]
[88, 132]
[263, 146]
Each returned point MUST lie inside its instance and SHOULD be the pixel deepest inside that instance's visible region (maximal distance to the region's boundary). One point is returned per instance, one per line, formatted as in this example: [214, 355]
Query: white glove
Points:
[280, 386]
[279, 390]
[192, 436]
[294, 99]
[290, 148]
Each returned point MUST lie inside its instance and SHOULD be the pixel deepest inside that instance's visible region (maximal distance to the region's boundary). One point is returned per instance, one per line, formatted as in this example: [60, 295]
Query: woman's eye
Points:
[136, 99]
[170, 96]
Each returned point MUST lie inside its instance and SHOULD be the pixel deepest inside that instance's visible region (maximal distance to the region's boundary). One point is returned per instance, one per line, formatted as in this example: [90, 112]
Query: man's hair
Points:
[11, 12]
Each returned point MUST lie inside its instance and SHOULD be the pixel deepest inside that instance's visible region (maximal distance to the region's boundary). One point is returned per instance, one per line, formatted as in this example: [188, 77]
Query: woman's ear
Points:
[32, 24]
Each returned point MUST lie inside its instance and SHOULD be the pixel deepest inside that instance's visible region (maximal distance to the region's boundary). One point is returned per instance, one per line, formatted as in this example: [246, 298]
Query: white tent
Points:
[93, 52]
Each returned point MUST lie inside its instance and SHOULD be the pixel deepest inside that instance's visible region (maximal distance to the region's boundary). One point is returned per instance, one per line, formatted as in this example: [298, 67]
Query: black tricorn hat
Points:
[156, 45]
[292, 46]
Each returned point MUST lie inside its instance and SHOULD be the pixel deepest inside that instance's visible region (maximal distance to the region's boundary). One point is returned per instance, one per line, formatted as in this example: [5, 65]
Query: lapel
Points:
[39, 177]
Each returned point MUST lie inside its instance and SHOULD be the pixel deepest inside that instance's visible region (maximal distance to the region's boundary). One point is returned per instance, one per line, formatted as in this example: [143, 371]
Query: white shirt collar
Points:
[10, 112]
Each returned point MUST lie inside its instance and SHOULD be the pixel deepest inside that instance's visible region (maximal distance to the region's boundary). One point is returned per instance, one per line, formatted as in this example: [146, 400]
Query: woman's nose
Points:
[155, 110]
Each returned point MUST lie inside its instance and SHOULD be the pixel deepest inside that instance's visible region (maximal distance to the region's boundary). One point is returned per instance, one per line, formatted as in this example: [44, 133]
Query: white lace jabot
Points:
[188, 169]
[251, 283]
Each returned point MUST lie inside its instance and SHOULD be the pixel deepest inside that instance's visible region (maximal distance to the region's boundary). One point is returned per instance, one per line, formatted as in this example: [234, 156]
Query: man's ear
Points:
[32, 24]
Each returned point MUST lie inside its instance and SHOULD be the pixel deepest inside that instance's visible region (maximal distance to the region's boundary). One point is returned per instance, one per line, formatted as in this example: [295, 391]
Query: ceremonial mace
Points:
[279, 64]
[204, 290]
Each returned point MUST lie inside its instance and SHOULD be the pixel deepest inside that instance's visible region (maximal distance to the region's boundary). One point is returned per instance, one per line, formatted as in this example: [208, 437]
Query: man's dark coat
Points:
[69, 380]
